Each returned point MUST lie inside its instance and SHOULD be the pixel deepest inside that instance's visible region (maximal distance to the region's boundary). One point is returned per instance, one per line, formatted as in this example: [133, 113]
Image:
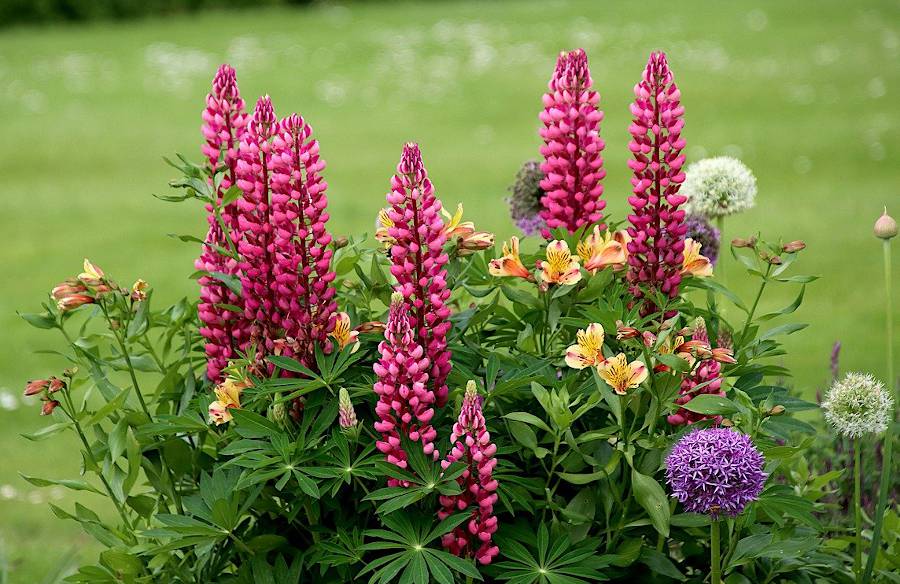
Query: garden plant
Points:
[589, 403]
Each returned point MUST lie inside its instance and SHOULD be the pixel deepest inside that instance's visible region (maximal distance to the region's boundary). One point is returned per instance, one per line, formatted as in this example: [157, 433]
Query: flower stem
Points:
[715, 567]
[720, 269]
[857, 558]
[886, 464]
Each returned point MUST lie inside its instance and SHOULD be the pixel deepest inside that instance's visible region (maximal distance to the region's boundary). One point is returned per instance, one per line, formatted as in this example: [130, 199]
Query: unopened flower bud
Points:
[73, 301]
[625, 332]
[741, 242]
[67, 288]
[92, 275]
[886, 226]
[139, 291]
[35, 387]
[48, 407]
[372, 326]
[723, 355]
[473, 242]
[346, 414]
[56, 384]
[726, 422]
[648, 338]
[70, 372]
[278, 413]
[793, 247]
[340, 242]
[775, 260]
[776, 411]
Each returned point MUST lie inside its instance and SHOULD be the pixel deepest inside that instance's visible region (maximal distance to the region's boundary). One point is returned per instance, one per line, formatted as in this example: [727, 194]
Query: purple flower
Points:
[525, 201]
[701, 231]
[715, 471]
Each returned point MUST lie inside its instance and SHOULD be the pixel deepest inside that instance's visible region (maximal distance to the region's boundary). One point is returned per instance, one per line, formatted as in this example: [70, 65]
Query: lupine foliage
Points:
[425, 408]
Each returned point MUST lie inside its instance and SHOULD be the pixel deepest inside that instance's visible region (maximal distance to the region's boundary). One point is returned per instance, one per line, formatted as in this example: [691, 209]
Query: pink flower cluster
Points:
[224, 123]
[573, 167]
[418, 260]
[657, 224]
[405, 404]
[707, 374]
[472, 446]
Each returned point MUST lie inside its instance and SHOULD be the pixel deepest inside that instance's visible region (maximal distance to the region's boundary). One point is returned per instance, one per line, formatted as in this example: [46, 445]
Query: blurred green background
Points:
[805, 95]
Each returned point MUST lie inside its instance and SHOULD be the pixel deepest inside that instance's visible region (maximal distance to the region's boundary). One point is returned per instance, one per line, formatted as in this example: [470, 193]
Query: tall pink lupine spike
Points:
[573, 166]
[306, 308]
[473, 447]
[224, 122]
[418, 261]
[254, 169]
[657, 224]
[405, 405]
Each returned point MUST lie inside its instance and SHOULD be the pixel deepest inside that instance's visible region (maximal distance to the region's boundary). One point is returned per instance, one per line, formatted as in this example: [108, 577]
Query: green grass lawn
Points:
[805, 95]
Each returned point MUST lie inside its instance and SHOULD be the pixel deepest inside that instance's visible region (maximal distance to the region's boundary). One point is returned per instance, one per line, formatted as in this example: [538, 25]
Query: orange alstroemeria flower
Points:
[228, 397]
[602, 251]
[383, 224]
[344, 334]
[510, 264]
[560, 267]
[695, 264]
[622, 375]
[588, 350]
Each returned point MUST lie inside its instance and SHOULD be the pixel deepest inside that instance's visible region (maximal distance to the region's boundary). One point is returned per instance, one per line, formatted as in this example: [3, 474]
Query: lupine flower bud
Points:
[656, 249]
[418, 260]
[886, 226]
[472, 446]
[405, 404]
[776, 411]
[346, 413]
[373, 326]
[572, 167]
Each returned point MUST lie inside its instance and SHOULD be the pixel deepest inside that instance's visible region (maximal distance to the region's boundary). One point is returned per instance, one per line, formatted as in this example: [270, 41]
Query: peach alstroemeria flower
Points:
[228, 397]
[588, 350]
[383, 226]
[622, 375]
[602, 251]
[92, 275]
[510, 264]
[560, 267]
[454, 226]
[695, 264]
[344, 334]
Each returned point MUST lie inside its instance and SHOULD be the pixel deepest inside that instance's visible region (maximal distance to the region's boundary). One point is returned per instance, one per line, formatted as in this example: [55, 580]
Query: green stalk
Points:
[857, 487]
[720, 224]
[886, 464]
[715, 567]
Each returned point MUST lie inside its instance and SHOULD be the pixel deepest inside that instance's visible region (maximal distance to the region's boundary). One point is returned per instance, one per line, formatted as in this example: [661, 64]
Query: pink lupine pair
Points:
[572, 167]
[224, 124]
[472, 446]
[418, 259]
[657, 224]
[405, 403]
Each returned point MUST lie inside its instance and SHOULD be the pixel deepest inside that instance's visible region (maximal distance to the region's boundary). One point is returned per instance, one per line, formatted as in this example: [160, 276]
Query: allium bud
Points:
[346, 413]
[886, 226]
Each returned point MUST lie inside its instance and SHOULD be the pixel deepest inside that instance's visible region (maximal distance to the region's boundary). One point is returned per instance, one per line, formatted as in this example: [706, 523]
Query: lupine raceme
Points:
[472, 446]
[224, 123]
[417, 255]
[405, 403]
[573, 166]
[655, 252]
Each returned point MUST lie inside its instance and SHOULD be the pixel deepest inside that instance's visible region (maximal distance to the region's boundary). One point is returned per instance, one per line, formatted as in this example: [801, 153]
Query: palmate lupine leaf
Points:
[546, 562]
[405, 556]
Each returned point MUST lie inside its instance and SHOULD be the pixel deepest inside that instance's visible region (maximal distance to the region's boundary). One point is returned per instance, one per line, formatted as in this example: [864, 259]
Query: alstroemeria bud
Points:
[625, 332]
[793, 247]
[70, 372]
[477, 241]
[886, 226]
[73, 301]
[92, 275]
[741, 242]
[56, 384]
[340, 242]
[776, 411]
[48, 407]
[67, 288]
[648, 338]
[36, 386]
[723, 355]
[373, 326]
[775, 260]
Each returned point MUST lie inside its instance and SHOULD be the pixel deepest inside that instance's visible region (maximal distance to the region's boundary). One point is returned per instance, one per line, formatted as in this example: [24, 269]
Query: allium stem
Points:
[886, 464]
[715, 567]
[857, 511]
[720, 225]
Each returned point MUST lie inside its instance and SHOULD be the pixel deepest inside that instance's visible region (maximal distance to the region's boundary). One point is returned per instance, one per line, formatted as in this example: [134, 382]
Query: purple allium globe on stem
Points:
[702, 231]
[525, 200]
[715, 471]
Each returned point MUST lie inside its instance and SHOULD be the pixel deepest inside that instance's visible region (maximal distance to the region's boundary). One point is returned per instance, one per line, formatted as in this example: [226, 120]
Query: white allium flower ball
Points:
[858, 404]
[717, 187]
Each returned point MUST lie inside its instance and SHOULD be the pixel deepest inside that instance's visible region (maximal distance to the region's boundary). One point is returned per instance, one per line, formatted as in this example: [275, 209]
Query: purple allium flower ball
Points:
[715, 471]
[700, 230]
[525, 201]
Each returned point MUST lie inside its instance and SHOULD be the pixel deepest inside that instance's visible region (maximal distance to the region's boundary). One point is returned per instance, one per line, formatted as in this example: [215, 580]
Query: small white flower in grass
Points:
[718, 187]
[858, 404]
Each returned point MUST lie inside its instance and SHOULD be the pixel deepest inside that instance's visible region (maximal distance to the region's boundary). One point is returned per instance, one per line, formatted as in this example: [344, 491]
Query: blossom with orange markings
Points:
[622, 375]
[510, 264]
[603, 251]
[344, 334]
[560, 267]
[694, 263]
[588, 349]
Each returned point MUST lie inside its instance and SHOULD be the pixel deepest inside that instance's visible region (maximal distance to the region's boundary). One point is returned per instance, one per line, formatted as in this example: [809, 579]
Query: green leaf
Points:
[709, 404]
[748, 548]
[611, 399]
[659, 563]
[47, 431]
[75, 485]
[41, 321]
[787, 309]
[111, 406]
[528, 419]
[653, 499]
[252, 425]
